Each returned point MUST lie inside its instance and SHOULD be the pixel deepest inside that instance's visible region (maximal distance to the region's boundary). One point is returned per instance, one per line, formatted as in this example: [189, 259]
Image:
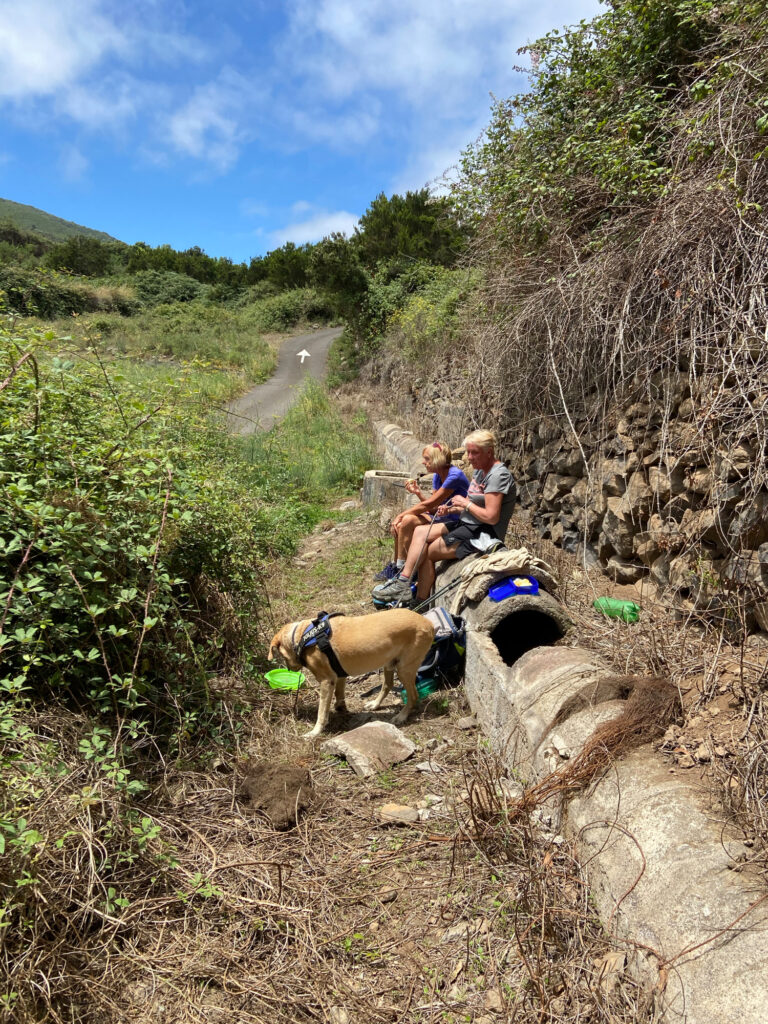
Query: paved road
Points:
[262, 405]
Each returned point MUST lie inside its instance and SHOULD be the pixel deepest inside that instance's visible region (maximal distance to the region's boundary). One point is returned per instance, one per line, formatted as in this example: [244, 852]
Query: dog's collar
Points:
[293, 636]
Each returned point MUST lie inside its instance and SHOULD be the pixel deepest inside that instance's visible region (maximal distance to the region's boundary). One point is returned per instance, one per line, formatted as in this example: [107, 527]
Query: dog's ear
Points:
[274, 645]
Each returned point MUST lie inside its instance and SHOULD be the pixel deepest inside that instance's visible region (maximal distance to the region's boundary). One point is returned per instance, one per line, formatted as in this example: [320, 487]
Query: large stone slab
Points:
[371, 748]
[661, 868]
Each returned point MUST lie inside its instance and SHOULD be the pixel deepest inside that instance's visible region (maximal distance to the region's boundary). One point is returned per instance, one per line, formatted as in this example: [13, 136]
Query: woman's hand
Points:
[412, 487]
[459, 502]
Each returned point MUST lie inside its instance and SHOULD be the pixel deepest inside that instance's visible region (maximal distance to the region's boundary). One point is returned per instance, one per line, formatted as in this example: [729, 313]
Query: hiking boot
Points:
[395, 590]
[389, 572]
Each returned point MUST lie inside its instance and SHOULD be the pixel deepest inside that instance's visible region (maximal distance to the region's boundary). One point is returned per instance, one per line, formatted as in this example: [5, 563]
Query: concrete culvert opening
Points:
[522, 630]
[520, 623]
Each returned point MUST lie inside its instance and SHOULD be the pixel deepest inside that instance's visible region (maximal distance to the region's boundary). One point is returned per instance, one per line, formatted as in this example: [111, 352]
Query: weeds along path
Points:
[261, 406]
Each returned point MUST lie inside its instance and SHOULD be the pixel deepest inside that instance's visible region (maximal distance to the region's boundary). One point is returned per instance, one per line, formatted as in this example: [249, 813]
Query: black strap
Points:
[325, 646]
[319, 634]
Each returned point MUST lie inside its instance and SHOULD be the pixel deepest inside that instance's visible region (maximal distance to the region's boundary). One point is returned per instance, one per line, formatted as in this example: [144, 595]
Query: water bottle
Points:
[614, 608]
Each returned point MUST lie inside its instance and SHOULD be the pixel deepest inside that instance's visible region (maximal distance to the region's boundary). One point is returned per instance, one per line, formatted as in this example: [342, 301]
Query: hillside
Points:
[29, 218]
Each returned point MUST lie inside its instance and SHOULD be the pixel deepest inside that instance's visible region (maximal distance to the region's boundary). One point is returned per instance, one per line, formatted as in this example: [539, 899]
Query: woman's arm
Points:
[489, 515]
[431, 504]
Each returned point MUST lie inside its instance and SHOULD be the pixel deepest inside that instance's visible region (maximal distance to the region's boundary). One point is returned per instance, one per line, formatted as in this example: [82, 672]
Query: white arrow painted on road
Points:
[304, 354]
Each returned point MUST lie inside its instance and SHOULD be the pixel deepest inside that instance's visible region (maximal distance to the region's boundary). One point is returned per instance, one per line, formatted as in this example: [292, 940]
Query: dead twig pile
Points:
[199, 909]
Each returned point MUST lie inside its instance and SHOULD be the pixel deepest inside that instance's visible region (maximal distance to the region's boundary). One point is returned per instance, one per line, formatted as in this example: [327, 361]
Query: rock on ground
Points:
[371, 748]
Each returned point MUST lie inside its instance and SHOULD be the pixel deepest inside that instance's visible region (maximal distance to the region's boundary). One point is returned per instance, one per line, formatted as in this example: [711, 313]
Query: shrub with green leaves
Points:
[127, 550]
[155, 287]
[591, 138]
[31, 291]
[428, 320]
[283, 311]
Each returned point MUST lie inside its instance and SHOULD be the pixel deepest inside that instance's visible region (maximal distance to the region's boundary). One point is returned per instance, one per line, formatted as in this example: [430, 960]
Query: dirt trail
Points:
[459, 915]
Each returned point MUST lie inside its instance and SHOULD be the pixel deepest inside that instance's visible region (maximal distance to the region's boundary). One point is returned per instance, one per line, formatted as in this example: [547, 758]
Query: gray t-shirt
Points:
[498, 480]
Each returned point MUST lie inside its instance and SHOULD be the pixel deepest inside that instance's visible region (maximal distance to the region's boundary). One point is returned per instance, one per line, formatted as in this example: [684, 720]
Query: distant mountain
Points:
[29, 218]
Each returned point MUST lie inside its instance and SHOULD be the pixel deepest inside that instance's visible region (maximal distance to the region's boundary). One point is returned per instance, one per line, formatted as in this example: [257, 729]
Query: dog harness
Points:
[319, 634]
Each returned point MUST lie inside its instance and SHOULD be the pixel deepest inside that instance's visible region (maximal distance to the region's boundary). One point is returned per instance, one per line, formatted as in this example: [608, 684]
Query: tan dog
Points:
[394, 639]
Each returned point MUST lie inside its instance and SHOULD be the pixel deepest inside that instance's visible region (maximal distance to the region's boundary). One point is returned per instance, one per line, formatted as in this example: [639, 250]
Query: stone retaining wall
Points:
[654, 500]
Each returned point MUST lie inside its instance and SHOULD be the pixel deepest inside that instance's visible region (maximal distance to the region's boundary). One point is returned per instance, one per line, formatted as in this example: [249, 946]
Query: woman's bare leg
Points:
[417, 550]
[404, 534]
[437, 551]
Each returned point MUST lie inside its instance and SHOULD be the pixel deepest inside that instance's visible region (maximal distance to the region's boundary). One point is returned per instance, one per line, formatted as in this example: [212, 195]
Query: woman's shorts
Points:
[452, 518]
[462, 535]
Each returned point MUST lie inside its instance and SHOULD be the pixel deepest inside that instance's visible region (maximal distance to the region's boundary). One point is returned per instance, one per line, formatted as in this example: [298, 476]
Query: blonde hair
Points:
[483, 439]
[438, 454]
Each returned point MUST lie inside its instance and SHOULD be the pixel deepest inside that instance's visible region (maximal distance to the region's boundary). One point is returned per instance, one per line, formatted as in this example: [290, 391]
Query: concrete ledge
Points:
[659, 860]
[661, 866]
[402, 451]
[386, 487]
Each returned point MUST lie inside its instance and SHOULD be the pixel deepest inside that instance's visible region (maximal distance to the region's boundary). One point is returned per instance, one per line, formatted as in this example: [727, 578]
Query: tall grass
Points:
[186, 331]
[314, 452]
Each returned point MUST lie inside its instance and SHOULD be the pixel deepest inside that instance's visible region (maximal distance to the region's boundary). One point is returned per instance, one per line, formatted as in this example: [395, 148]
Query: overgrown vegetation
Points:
[619, 212]
[134, 542]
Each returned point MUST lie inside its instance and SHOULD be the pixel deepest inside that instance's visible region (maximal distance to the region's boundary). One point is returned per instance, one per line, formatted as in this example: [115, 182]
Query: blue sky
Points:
[239, 126]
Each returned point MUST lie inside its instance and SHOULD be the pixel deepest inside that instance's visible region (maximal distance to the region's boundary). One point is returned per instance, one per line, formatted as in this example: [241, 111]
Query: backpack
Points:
[444, 661]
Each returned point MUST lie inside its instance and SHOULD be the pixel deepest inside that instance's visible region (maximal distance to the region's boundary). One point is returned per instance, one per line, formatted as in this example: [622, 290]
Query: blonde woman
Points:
[485, 514]
[448, 482]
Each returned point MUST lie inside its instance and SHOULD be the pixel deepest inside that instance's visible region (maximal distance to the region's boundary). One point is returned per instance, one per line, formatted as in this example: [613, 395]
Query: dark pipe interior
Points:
[522, 631]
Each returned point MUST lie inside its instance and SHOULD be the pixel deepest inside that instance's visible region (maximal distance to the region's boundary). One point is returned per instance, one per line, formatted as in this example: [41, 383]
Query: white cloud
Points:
[436, 157]
[46, 45]
[110, 102]
[417, 74]
[208, 126]
[345, 74]
[253, 208]
[432, 53]
[338, 128]
[313, 228]
[73, 164]
[78, 55]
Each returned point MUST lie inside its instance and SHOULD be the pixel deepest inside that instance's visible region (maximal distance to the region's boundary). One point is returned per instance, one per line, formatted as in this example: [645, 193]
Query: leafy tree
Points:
[413, 226]
[336, 271]
[288, 266]
[82, 255]
[20, 239]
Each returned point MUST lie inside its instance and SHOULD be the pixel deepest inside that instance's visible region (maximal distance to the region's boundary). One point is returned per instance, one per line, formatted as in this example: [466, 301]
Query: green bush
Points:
[592, 137]
[34, 292]
[286, 310]
[156, 287]
[31, 291]
[126, 544]
[429, 320]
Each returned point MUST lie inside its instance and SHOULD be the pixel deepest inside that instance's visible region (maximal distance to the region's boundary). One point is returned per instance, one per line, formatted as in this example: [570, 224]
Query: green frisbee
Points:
[285, 680]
